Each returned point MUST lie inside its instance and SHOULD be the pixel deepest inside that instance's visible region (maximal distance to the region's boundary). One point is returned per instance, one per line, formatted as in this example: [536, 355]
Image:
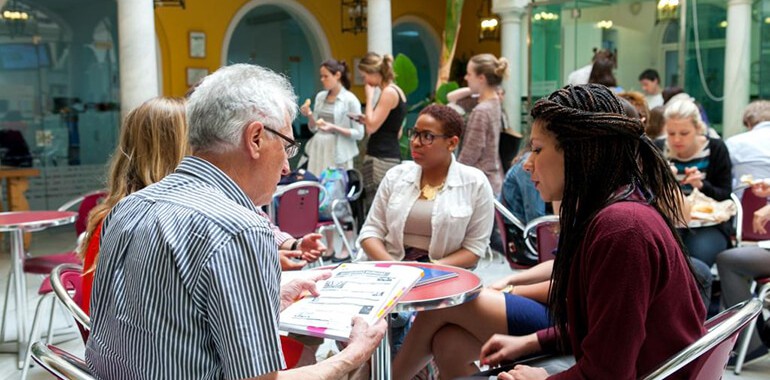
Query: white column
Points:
[138, 53]
[511, 12]
[379, 27]
[737, 65]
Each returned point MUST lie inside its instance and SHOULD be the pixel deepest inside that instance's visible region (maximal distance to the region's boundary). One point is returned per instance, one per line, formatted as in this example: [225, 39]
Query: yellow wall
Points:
[213, 18]
[468, 44]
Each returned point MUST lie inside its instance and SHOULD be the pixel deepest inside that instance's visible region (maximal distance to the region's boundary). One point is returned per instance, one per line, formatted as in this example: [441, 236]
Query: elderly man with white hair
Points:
[188, 280]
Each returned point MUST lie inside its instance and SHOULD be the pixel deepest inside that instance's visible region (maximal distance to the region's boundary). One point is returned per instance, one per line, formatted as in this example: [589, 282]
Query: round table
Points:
[17, 223]
[438, 295]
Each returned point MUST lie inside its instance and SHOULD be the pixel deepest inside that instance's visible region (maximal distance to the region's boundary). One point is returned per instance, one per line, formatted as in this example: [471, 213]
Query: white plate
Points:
[764, 244]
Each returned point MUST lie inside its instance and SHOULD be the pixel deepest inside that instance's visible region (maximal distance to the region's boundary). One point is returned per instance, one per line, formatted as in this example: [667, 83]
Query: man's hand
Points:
[761, 217]
[287, 263]
[501, 347]
[523, 372]
[311, 247]
[294, 289]
[364, 339]
[761, 189]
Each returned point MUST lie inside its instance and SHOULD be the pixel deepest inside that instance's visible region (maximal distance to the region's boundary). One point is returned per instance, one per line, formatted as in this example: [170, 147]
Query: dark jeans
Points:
[705, 243]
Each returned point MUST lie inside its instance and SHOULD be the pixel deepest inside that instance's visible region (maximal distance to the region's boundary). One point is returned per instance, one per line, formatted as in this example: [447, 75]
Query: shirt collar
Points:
[452, 176]
[213, 176]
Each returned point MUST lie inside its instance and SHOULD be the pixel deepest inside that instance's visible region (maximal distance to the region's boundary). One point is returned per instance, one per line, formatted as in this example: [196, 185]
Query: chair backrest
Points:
[87, 203]
[749, 204]
[544, 231]
[60, 363]
[515, 251]
[298, 204]
[355, 190]
[713, 349]
[70, 276]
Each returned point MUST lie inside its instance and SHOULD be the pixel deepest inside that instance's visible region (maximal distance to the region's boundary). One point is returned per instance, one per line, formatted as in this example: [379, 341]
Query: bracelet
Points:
[296, 244]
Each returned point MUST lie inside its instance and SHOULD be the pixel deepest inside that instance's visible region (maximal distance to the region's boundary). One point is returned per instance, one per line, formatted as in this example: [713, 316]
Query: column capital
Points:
[515, 8]
[738, 2]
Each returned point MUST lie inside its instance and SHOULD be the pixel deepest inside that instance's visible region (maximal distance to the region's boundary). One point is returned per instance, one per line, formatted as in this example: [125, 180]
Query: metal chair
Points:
[65, 283]
[502, 214]
[43, 265]
[743, 345]
[348, 208]
[713, 349]
[746, 205]
[541, 236]
[60, 363]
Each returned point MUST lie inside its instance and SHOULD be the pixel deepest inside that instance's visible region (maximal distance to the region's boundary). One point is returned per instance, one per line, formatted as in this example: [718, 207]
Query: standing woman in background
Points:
[336, 134]
[382, 120]
[482, 131]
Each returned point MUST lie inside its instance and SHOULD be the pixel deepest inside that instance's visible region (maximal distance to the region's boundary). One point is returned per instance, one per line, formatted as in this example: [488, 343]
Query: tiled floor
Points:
[62, 238]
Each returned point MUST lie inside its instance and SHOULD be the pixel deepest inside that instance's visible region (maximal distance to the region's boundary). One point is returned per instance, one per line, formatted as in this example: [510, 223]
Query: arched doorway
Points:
[296, 45]
[416, 39]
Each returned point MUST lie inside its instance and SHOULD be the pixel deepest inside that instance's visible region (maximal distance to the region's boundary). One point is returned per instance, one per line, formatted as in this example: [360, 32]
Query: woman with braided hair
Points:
[623, 297]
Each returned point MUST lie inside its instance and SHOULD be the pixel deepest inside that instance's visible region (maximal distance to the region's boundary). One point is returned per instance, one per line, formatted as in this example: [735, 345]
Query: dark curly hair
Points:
[451, 121]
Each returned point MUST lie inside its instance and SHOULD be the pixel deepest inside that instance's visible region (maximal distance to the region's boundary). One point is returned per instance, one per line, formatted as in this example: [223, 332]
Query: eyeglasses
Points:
[426, 138]
[292, 149]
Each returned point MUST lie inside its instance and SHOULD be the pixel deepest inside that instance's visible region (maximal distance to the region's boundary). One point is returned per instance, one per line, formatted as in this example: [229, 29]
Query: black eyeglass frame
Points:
[424, 135]
[292, 149]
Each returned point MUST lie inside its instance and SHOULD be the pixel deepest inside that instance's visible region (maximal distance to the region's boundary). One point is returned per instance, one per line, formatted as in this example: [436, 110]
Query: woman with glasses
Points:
[433, 208]
[430, 209]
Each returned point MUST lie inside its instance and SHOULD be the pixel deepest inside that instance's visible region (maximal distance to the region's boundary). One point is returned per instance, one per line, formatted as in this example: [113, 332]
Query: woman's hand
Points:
[524, 372]
[305, 109]
[761, 189]
[693, 177]
[761, 217]
[501, 347]
[323, 126]
[500, 284]
[369, 91]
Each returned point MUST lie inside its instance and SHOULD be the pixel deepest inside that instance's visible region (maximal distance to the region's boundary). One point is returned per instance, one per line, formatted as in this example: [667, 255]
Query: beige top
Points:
[417, 229]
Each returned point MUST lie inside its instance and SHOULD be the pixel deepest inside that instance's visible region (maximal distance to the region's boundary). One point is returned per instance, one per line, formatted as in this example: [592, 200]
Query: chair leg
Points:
[5, 305]
[33, 335]
[743, 346]
[49, 336]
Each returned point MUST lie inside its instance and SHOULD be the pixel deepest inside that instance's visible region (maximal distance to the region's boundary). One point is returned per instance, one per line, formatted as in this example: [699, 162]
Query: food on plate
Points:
[704, 208]
[747, 179]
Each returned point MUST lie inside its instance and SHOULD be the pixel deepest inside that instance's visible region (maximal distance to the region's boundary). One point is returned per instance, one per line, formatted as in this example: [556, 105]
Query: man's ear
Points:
[253, 136]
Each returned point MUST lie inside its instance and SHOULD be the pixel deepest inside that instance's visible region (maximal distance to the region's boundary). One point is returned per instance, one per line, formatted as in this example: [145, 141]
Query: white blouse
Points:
[462, 217]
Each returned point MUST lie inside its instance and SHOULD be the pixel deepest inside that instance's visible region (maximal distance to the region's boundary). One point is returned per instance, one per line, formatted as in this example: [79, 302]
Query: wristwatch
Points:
[296, 244]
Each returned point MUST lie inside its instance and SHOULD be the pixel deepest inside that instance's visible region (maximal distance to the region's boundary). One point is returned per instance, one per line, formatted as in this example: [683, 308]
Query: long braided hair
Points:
[604, 150]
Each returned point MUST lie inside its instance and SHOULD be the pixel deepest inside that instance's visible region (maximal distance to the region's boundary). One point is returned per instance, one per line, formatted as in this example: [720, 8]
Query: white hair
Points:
[231, 98]
[685, 108]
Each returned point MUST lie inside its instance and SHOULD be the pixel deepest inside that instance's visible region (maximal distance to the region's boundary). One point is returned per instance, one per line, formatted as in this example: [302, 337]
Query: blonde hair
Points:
[153, 140]
[756, 112]
[494, 69]
[685, 109]
[374, 63]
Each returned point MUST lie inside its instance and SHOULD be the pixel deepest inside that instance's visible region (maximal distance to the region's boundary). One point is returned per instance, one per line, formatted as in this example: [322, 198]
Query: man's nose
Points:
[286, 169]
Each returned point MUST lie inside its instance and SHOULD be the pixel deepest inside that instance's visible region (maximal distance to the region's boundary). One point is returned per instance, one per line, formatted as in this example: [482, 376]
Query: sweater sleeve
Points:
[605, 272]
[719, 178]
[475, 138]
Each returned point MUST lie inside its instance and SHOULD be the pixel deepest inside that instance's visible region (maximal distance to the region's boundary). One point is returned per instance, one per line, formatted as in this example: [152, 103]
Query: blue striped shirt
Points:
[187, 284]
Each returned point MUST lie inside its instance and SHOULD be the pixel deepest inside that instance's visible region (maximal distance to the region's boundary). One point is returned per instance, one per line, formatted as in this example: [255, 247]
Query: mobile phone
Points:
[355, 116]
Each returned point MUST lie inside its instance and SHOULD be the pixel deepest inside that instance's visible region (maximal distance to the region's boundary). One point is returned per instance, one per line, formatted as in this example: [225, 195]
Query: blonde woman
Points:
[480, 145]
[153, 140]
[699, 162]
[382, 120]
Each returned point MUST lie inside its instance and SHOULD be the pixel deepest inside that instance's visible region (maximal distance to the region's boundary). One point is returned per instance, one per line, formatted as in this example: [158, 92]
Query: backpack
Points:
[335, 181]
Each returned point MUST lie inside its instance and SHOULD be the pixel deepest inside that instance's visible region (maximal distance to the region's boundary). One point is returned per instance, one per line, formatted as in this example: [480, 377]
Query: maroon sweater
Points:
[632, 301]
